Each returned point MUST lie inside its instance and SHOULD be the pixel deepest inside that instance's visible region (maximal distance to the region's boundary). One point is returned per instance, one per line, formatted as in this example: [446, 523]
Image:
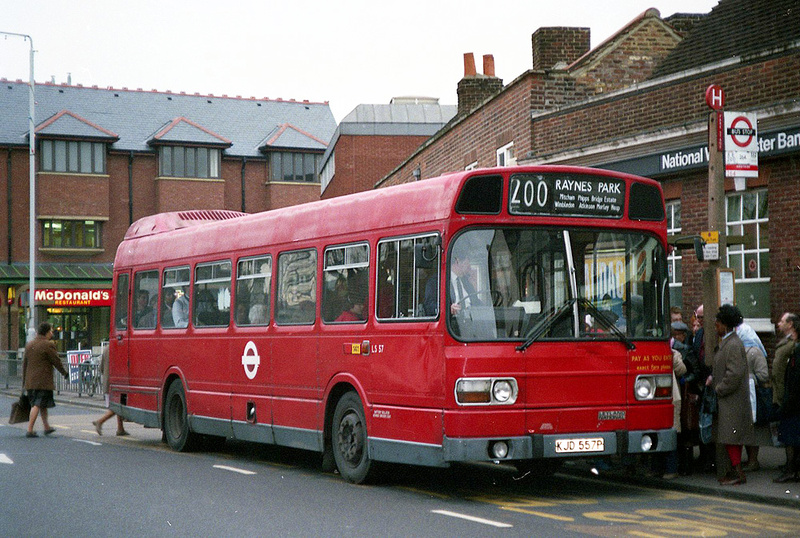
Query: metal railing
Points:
[84, 381]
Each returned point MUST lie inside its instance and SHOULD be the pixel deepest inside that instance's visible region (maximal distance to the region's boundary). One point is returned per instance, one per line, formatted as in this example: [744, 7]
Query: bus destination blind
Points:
[566, 195]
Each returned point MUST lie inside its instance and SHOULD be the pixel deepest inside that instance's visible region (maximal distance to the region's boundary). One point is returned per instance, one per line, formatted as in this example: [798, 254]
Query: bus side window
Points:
[296, 302]
[253, 281]
[408, 278]
[345, 291]
[121, 302]
[212, 294]
[175, 298]
[145, 288]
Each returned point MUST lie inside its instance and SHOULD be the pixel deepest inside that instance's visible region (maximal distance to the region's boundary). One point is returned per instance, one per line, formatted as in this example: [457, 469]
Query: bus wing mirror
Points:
[698, 248]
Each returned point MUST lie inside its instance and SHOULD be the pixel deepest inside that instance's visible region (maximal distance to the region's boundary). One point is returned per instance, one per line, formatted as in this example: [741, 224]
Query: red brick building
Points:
[106, 157]
[373, 139]
[636, 103]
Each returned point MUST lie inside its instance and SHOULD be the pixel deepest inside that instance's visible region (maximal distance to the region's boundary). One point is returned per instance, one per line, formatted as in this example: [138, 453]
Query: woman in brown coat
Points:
[730, 379]
[37, 374]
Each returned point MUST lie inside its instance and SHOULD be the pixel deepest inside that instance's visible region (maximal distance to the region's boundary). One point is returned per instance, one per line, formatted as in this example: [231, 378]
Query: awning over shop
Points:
[50, 273]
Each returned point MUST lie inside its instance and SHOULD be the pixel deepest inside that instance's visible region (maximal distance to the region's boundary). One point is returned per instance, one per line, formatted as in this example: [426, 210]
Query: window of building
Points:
[175, 295]
[345, 288]
[674, 259]
[212, 294]
[505, 155]
[72, 234]
[294, 166]
[72, 156]
[145, 299]
[296, 302]
[747, 215]
[328, 171]
[408, 278]
[253, 281]
[194, 162]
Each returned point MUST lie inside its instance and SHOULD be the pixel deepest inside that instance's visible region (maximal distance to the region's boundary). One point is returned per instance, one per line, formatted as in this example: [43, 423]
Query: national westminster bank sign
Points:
[769, 144]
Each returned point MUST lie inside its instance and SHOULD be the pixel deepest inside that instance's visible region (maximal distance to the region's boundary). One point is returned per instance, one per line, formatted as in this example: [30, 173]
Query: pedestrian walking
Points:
[105, 381]
[41, 357]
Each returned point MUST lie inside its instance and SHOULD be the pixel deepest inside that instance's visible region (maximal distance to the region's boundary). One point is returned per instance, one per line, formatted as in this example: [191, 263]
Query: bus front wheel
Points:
[176, 421]
[350, 439]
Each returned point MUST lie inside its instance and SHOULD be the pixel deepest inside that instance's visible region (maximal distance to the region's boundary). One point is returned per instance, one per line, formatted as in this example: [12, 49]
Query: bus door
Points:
[119, 359]
[294, 352]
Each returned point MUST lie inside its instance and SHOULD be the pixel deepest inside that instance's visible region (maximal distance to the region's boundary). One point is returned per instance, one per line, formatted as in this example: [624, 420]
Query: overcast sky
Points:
[345, 52]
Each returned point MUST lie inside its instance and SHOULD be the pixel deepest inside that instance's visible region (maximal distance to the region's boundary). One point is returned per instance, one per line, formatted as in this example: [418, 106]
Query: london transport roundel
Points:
[251, 360]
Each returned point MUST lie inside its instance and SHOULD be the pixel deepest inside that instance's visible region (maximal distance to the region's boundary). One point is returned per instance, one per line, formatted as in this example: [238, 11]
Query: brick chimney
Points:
[475, 88]
[558, 45]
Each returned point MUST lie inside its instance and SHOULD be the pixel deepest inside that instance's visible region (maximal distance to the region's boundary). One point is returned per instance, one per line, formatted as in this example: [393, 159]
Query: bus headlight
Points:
[502, 391]
[486, 391]
[653, 387]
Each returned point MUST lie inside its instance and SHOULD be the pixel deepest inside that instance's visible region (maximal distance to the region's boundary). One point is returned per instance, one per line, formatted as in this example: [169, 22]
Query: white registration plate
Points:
[565, 446]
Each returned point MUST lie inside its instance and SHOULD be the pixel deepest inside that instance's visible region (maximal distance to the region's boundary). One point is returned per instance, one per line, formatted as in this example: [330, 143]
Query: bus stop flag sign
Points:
[741, 144]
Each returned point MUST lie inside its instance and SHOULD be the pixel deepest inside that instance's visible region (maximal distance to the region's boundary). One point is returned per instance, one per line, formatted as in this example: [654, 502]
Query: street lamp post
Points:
[32, 183]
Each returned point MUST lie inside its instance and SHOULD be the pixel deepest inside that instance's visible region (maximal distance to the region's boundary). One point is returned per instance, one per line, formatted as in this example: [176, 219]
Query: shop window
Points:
[72, 156]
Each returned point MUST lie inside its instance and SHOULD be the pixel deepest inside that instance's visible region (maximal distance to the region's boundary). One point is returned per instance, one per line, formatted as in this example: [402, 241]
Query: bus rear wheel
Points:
[350, 439]
[176, 421]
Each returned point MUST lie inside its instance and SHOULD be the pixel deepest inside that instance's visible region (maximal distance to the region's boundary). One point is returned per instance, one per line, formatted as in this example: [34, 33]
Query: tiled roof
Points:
[66, 123]
[288, 136]
[186, 131]
[136, 116]
[735, 28]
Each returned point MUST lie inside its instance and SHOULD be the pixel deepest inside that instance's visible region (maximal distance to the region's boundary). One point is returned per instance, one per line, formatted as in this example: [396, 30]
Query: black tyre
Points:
[176, 422]
[349, 439]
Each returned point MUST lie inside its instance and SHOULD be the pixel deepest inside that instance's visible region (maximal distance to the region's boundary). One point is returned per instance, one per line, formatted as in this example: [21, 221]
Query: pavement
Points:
[759, 487]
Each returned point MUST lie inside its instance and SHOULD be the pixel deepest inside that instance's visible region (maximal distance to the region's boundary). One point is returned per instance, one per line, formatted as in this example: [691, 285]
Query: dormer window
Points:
[192, 162]
[72, 157]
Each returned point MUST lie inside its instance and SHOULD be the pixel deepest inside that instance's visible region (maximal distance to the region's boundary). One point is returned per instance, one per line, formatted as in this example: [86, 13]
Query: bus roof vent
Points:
[166, 222]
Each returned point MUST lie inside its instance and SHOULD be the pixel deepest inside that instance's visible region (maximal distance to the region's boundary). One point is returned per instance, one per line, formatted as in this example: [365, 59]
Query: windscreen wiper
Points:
[540, 328]
[605, 322]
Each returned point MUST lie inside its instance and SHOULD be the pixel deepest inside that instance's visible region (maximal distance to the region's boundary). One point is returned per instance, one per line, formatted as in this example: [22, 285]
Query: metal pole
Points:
[32, 183]
[32, 210]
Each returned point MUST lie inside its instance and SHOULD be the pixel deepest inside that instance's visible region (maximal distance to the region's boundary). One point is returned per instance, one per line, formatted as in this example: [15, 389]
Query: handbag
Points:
[708, 408]
[764, 412]
[20, 410]
[690, 409]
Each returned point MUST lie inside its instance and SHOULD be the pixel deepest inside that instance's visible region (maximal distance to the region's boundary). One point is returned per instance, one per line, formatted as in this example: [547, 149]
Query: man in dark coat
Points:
[37, 374]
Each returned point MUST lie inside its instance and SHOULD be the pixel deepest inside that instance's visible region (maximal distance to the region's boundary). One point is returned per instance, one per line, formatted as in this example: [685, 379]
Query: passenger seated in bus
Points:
[430, 304]
[168, 298]
[180, 309]
[143, 316]
[355, 311]
[258, 311]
